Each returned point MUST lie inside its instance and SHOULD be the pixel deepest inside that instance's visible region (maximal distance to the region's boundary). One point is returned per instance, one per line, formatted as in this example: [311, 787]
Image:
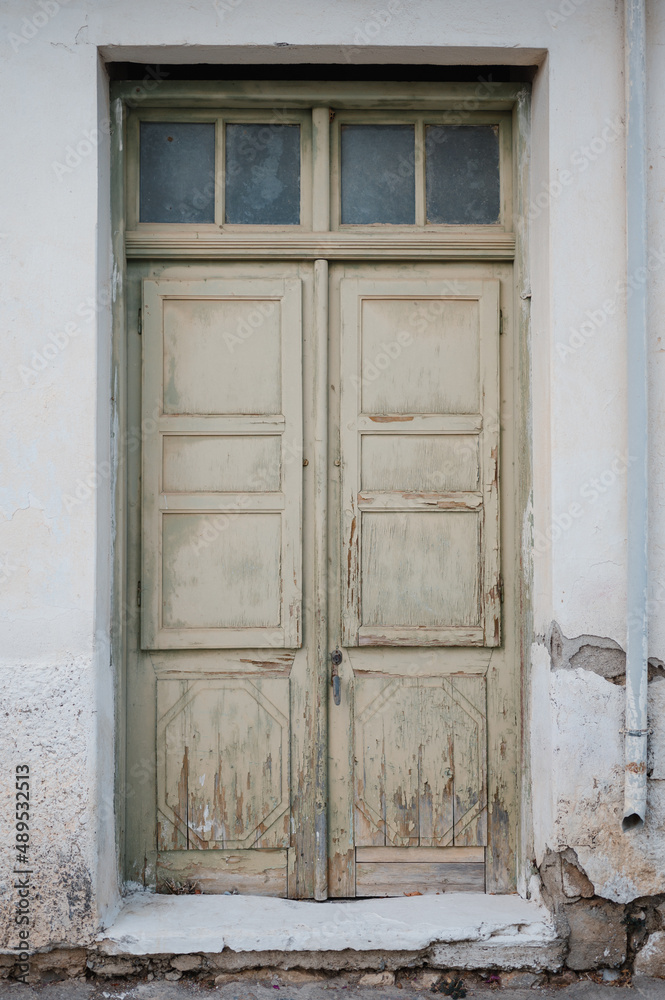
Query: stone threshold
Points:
[451, 931]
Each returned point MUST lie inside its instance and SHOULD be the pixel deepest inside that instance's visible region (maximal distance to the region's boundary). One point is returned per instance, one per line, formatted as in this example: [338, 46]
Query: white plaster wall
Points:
[55, 513]
[587, 779]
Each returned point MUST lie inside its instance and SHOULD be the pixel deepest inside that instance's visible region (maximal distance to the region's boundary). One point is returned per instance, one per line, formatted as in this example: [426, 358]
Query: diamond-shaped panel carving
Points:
[225, 772]
[421, 762]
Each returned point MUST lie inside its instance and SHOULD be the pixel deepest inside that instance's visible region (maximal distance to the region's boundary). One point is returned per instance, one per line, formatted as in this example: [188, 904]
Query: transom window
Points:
[252, 168]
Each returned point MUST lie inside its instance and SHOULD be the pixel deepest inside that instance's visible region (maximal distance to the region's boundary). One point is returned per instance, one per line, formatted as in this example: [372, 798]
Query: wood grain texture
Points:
[414, 353]
[450, 470]
[209, 244]
[421, 762]
[435, 855]
[224, 780]
[408, 879]
[252, 873]
[222, 494]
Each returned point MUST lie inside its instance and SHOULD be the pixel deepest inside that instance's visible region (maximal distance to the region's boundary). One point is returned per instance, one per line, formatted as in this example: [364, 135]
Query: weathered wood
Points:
[254, 873]
[305, 94]
[419, 879]
[470, 769]
[435, 855]
[412, 500]
[222, 496]
[403, 455]
[420, 348]
[320, 559]
[424, 464]
[180, 664]
[224, 779]
[421, 762]
[321, 173]
[420, 661]
[210, 244]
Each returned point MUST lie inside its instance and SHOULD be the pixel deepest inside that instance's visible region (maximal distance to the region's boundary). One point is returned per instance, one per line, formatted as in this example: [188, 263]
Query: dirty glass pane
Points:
[263, 175]
[462, 174]
[177, 172]
[378, 175]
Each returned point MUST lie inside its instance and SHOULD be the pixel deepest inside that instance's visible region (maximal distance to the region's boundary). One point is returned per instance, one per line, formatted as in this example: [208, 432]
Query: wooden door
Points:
[221, 683]
[418, 620]
[241, 608]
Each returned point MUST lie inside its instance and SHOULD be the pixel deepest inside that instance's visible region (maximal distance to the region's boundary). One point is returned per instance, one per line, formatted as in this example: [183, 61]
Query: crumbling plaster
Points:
[55, 259]
[577, 739]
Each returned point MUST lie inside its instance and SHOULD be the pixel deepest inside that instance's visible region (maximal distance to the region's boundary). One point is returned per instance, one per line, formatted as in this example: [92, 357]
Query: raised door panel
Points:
[421, 762]
[420, 439]
[222, 470]
[223, 768]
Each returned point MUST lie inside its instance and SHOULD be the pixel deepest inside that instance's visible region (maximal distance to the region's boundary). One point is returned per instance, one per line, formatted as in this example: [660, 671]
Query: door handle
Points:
[336, 657]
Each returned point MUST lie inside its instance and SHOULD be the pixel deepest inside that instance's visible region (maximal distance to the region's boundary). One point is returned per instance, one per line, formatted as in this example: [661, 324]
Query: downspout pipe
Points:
[636, 726]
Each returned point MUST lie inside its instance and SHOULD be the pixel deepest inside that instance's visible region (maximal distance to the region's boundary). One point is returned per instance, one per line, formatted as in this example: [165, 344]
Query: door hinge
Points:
[501, 588]
[501, 323]
[138, 594]
[140, 326]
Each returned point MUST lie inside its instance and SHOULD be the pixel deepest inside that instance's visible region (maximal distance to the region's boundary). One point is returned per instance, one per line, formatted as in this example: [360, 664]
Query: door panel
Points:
[421, 760]
[222, 494]
[416, 878]
[419, 377]
[224, 781]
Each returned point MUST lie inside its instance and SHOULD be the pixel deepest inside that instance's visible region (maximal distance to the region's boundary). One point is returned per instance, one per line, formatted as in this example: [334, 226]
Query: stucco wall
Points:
[56, 526]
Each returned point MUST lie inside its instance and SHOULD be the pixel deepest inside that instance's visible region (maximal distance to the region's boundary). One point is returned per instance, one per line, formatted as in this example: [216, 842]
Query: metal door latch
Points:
[336, 657]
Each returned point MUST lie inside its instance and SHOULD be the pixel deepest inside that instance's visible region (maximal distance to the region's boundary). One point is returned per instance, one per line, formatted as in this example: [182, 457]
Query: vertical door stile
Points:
[321, 224]
[320, 617]
[320, 170]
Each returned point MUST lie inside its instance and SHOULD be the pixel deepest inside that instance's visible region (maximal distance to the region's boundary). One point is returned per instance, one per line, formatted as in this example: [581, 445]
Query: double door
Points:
[322, 678]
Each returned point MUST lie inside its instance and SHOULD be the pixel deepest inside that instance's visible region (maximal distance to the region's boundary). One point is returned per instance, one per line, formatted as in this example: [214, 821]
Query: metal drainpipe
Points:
[636, 728]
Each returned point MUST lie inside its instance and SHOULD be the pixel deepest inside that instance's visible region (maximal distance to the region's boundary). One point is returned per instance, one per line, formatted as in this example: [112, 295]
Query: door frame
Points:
[508, 797]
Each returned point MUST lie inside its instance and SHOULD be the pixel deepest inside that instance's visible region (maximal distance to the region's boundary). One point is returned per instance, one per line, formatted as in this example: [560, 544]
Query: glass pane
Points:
[177, 172]
[263, 175]
[378, 174]
[462, 174]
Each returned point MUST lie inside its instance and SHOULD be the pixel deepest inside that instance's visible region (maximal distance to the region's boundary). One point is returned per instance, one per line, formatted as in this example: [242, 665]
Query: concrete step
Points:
[452, 930]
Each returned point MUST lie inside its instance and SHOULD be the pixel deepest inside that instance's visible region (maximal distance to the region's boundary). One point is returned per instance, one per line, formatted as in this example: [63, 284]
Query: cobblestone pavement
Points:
[330, 989]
